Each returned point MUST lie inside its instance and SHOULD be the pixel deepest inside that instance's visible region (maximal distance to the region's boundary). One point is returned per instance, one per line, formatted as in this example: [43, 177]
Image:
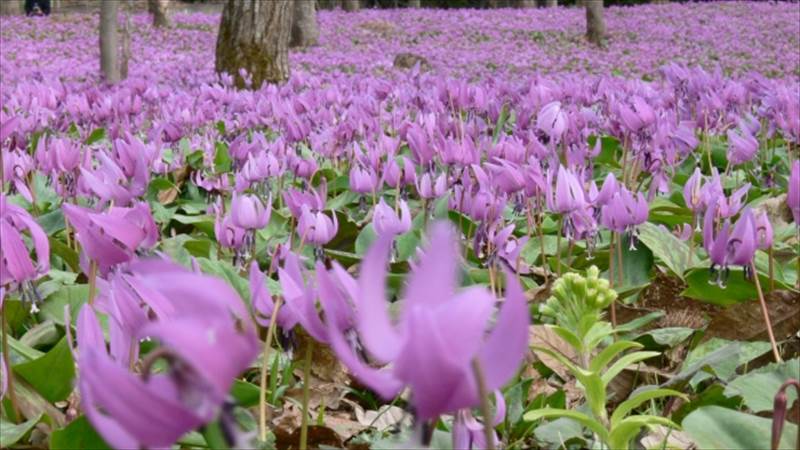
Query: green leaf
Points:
[607, 354]
[67, 254]
[718, 427]
[583, 419]
[226, 271]
[625, 361]
[11, 433]
[222, 159]
[610, 151]
[96, 135]
[639, 322]
[622, 434]
[52, 222]
[78, 435]
[53, 306]
[365, 239]
[636, 399]
[670, 336]
[52, 374]
[758, 388]
[723, 368]
[246, 394]
[636, 265]
[665, 246]
[737, 289]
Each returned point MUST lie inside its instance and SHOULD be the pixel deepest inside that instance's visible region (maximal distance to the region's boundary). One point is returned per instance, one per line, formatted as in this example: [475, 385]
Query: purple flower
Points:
[314, 198]
[316, 227]
[363, 180]
[263, 305]
[16, 264]
[429, 189]
[439, 333]
[113, 237]
[692, 191]
[568, 195]
[742, 243]
[793, 194]
[624, 211]
[249, 212]
[741, 147]
[552, 121]
[228, 235]
[388, 222]
[764, 232]
[206, 339]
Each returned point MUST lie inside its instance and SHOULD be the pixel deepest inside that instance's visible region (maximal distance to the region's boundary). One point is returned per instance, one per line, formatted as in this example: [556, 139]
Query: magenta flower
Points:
[741, 147]
[429, 189]
[249, 212]
[316, 227]
[263, 306]
[552, 121]
[624, 211]
[228, 235]
[388, 222]
[692, 191]
[110, 183]
[315, 199]
[742, 243]
[568, 195]
[793, 194]
[363, 180]
[112, 237]
[16, 264]
[764, 232]
[206, 339]
[439, 333]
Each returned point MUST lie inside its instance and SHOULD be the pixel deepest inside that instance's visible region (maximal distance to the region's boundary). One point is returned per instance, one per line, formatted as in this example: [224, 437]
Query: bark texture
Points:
[254, 36]
[595, 25]
[11, 7]
[351, 5]
[525, 3]
[414, 4]
[551, 3]
[160, 11]
[305, 31]
[109, 41]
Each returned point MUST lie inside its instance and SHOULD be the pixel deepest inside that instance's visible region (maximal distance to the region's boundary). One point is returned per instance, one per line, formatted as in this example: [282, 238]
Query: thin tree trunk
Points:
[160, 11]
[595, 25]
[254, 36]
[125, 46]
[580, 3]
[109, 41]
[525, 3]
[351, 5]
[305, 31]
[552, 3]
[414, 4]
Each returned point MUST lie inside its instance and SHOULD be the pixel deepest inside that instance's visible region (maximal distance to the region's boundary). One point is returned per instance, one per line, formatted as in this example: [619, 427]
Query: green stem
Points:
[262, 395]
[12, 395]
[486, 407]
[306, 393]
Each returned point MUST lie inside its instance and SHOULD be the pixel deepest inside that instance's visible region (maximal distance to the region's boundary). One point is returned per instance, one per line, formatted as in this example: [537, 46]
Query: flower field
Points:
[519, 240]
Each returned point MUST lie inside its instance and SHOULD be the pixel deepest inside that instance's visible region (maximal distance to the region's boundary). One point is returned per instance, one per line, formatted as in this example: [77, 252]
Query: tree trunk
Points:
[525, 3]
[8, 7]
[552, 3]
[414, 4]
[351, 5]
[305, 31]
[580, 3]
[159, 10]
[254, 36]
[595, 25]
[109, 41]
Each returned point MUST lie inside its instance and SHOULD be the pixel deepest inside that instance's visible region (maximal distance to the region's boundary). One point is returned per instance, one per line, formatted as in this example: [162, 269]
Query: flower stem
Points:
[92, 281]
[486, 407]
[306, 393]
[262, 395]
[558, 245]
[765, 312]
[12, 395]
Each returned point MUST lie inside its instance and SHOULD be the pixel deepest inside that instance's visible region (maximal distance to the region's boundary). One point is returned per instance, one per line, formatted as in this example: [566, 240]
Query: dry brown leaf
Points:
[674, 439]
[543, 336]
[343, 424]
[386, 417]
[540, 386]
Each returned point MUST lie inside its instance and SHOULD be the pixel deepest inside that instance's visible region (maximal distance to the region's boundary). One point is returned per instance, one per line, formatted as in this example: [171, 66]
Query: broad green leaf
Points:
[53, 306]
[52, 374]
[52, 222]
[11, 433]
[666, 247]
[609, 353]
[636, 265]
[670, 336]
[226, 271]
[758, 388]
[67, 254]
[96, 135]
[78, 435]
[246, 394]
[737, 289]
[718, 427]
[725, 368]
[222, 159]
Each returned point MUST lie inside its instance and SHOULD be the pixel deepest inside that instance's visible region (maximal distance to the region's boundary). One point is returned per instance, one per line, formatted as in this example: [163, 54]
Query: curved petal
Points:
[374, 325]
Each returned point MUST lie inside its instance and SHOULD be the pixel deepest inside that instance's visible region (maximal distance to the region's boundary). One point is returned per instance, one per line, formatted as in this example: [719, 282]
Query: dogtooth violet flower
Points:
[205, 338]
[16, 264]
[439, 333]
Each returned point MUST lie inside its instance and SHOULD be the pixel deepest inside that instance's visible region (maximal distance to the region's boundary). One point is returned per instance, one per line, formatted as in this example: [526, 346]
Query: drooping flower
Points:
[112, 237]
[439, 334]
[249, 212]
[206, 339]
[388, 222]
[568, 195]
[741, 147]
[552, 120]
[16, 264]
[793, 194]
[316, 227]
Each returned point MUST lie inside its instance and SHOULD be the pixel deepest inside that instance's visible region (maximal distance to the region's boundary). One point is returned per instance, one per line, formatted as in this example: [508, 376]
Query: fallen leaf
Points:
[385, 418]
[543, 336]
[675, 439]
